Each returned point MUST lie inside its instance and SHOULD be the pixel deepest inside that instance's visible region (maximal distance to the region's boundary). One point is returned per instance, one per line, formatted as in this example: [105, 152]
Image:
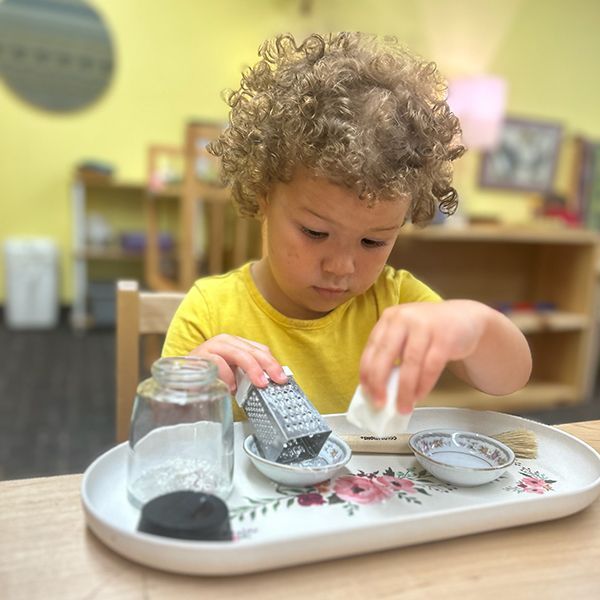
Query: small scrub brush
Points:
[521, 441]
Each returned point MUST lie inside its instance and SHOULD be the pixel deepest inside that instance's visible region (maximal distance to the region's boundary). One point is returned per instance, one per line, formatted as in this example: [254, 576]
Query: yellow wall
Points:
[173, 59]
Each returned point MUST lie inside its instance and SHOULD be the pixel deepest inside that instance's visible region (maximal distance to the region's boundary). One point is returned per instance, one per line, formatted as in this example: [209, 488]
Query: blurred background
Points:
[105, 111]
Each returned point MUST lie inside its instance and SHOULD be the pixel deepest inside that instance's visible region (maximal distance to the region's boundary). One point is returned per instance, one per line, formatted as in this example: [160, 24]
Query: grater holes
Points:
[287, 427]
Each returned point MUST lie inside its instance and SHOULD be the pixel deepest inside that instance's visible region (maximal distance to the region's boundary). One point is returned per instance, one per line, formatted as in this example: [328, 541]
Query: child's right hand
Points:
[229, 351]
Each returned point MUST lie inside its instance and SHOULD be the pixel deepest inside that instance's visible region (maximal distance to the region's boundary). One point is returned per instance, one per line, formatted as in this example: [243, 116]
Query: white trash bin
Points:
[31, 268]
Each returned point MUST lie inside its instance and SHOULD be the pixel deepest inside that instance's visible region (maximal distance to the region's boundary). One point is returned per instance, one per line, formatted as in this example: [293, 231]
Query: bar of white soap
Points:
[381, 422]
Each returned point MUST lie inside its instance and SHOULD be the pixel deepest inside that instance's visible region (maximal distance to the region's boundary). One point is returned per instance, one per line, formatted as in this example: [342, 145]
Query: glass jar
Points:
[181, 432]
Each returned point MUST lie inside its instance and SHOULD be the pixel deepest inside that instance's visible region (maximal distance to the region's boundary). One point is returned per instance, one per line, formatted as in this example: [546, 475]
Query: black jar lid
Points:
[186, 515]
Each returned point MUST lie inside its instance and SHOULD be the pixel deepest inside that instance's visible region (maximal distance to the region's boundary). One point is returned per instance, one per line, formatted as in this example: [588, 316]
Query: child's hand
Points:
[229, 351]
[423, 337]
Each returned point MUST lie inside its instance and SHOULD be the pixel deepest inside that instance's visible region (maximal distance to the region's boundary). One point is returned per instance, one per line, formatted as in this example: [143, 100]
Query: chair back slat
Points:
[157, 310]
[138, 314]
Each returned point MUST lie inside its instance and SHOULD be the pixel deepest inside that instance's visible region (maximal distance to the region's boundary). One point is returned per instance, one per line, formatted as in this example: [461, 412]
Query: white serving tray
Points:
[379, 501]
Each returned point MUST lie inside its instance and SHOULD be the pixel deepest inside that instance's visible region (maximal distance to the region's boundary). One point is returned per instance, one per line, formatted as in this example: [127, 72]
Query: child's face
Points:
[324, 245]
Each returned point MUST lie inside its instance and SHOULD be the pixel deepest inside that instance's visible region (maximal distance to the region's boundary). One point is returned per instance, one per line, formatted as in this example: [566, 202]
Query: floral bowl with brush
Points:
[461, 458]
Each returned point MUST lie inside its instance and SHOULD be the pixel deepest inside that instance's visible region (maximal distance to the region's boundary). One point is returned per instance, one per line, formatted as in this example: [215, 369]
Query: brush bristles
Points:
[521, 441]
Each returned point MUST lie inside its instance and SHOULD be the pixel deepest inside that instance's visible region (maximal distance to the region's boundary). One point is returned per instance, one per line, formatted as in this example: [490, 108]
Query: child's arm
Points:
[479, 344]
[229, 351]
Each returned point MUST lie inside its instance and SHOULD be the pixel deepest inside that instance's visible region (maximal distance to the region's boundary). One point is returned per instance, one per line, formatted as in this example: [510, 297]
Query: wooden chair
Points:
[140, 315]
[212, 238]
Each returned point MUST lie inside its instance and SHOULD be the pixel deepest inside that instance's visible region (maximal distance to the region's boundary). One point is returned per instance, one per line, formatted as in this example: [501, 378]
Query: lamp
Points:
[479, 103]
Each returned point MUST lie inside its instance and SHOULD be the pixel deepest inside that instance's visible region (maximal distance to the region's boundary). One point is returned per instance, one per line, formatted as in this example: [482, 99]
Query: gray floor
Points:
[57, 401]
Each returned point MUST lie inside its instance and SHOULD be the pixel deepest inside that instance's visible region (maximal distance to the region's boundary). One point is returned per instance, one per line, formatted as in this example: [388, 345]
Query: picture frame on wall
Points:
[525, 158]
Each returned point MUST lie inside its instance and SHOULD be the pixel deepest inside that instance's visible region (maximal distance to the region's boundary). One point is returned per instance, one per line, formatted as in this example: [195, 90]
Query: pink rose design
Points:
[405, 485]
[361, 490]
[310, 499]
[533, 485]
[533, 481]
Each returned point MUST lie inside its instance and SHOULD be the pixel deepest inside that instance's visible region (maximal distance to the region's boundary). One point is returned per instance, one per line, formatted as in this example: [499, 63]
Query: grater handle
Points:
[243, 383]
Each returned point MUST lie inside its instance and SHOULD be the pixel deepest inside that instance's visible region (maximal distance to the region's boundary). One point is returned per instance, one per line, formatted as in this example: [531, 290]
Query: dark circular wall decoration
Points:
[54, 54]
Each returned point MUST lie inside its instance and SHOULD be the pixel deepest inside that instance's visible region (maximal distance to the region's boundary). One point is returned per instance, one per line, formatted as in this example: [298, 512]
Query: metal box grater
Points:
[287, 427]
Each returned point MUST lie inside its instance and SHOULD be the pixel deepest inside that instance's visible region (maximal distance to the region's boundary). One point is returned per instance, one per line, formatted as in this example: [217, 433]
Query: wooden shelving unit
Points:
[108, 196]
[518, 266]
[536, 396]
[212, 237]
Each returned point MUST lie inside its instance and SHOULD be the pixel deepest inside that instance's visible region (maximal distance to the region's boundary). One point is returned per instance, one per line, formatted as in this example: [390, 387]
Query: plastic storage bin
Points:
[31, 283]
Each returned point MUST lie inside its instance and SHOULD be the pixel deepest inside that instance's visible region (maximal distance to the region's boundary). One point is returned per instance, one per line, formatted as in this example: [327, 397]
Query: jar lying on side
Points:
[181, 433]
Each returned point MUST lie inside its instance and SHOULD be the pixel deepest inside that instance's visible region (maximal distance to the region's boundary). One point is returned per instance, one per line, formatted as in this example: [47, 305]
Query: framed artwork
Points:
[525, 157]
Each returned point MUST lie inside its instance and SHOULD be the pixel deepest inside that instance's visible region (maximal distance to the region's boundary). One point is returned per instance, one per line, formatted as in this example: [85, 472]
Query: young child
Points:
[334, 143]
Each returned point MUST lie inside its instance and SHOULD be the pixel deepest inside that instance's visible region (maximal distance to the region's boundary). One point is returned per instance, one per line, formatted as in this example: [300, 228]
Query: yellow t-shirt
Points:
[322, 353]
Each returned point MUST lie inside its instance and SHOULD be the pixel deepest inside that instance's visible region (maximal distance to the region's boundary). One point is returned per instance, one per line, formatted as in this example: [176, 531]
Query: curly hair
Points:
[360, 111]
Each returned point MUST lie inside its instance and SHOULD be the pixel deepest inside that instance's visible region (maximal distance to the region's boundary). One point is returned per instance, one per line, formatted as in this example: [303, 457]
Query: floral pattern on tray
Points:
[349, 492]
[531, 482]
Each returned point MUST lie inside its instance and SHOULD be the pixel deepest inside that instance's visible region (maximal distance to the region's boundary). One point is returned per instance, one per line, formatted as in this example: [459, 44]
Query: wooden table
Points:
[47, 552]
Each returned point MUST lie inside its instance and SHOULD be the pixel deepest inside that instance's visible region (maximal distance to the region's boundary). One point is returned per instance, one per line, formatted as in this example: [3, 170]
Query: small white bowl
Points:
[334, 454]
[461, 458]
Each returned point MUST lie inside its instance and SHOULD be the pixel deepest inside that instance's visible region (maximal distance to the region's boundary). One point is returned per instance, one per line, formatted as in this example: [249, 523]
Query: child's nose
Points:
[339, 264]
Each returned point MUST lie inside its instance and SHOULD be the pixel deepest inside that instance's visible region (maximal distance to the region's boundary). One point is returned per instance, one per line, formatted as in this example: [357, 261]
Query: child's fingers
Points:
[225, 372]
[224, 340]
[240, 357]
[378, 359]
[264, 358]
[434, 364]
[255, 344]
[269, 364]
[412, 360]
[249, 357]
[404, 404]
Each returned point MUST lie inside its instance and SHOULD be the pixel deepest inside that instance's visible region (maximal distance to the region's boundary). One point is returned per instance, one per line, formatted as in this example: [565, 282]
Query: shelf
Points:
[109, 184]
[168, 191]
[502, 233]
[535, 396]
[547, 276]
[137, 189]
[538, 322]
[113, 254]
[203, 191]
[108, 254]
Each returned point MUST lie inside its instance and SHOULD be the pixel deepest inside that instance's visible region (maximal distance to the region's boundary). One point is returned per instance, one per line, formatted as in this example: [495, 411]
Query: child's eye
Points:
[372, 243]
[311, 233]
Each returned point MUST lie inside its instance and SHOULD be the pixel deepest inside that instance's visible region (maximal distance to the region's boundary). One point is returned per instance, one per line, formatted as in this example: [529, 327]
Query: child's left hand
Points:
[425, 336]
